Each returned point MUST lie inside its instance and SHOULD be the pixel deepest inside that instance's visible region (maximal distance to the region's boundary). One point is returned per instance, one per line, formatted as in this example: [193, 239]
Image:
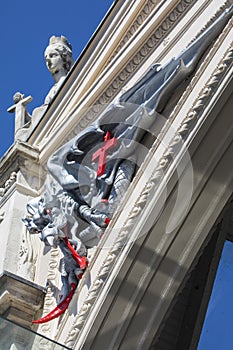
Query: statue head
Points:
[58, 55]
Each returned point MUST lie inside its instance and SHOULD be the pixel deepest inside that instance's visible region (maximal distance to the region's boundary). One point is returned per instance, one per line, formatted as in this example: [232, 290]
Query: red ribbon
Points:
[59, 309]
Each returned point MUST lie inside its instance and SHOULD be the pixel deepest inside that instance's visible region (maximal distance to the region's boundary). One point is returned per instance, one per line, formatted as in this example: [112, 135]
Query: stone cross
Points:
[22, 116]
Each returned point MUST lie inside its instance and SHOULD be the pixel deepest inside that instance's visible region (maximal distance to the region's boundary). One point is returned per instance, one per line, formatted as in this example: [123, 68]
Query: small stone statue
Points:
[22, 117]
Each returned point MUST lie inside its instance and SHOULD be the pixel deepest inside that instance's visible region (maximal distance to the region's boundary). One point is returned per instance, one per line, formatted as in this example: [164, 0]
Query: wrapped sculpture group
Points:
[90, 174]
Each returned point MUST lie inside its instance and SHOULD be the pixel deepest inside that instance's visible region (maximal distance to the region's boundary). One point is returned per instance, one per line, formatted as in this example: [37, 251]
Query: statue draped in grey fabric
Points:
[92, 172]
[127, 119]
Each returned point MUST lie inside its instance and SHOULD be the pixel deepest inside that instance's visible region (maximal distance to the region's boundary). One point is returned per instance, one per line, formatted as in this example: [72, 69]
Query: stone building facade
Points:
[150, 277]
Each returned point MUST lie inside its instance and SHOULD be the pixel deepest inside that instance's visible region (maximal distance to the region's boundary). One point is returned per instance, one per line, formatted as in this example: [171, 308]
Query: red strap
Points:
[59, 309]
[81, 261]
[102, 152]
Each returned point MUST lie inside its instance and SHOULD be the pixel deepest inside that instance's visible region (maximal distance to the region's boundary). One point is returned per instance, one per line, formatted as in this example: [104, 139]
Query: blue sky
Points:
[25, 29]
[217, 329]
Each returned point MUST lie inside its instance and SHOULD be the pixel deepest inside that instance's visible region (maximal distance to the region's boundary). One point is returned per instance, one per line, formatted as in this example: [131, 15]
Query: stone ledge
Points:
[14, 158]
[20, 299]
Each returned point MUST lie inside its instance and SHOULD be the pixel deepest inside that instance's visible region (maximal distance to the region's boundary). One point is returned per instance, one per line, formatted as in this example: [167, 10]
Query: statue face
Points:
[54, 61]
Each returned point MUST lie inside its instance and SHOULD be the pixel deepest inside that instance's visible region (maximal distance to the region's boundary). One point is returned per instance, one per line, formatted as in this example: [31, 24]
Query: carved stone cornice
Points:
[166, 161]
[134, 63]
[145, 12]
[14, 158]
[137, 23]
[140, 57]
[208, 90]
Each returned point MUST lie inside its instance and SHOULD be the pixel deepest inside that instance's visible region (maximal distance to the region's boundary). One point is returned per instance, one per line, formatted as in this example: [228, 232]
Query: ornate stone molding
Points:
[138, 22]
[145, 13]
[133, 64]
[213, 18]
[143, 53]
[186, 126]
[207, 91]
[12, 179]
[50, 301]
[28, 255]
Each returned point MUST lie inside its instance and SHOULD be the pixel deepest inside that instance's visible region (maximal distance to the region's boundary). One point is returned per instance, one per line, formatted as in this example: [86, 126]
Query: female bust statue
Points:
[59, 60]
